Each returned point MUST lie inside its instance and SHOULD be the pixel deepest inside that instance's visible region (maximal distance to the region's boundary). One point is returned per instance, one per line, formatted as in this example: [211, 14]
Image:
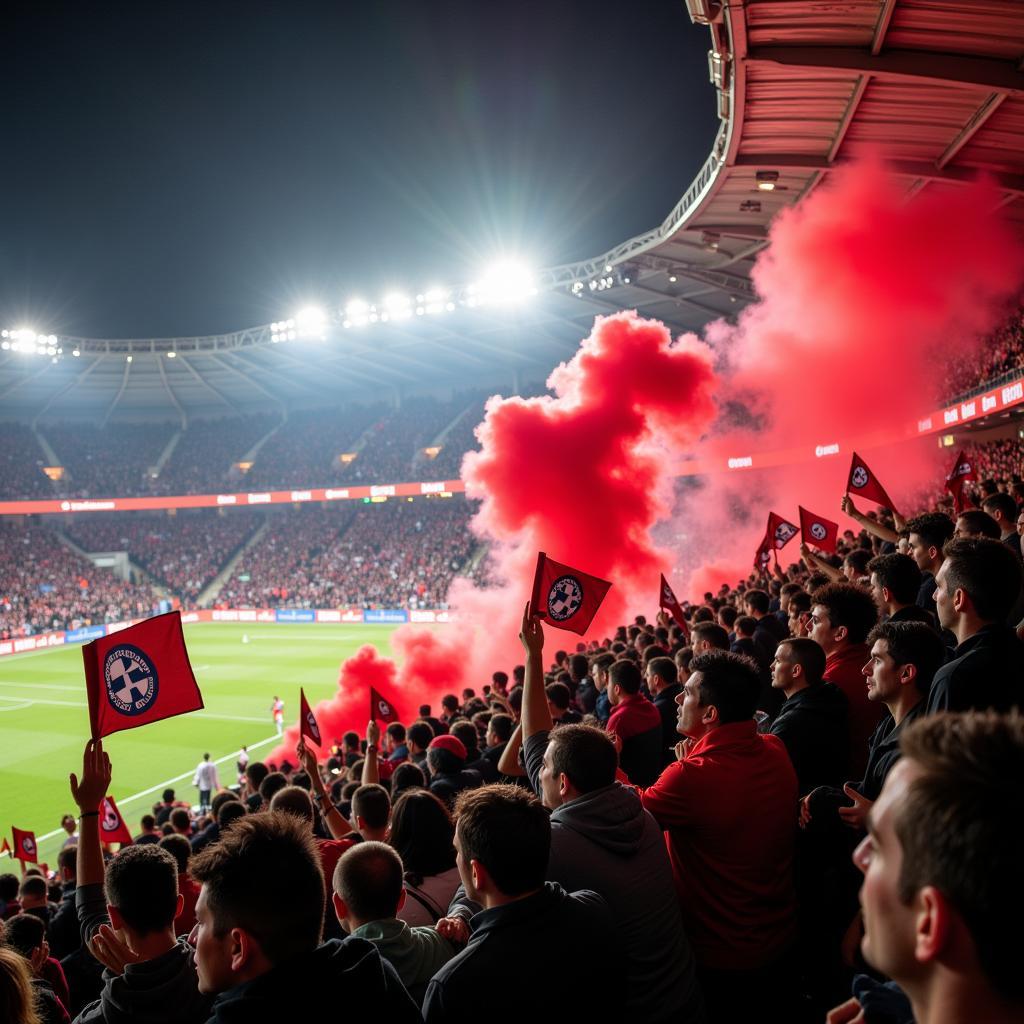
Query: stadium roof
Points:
[803, 86]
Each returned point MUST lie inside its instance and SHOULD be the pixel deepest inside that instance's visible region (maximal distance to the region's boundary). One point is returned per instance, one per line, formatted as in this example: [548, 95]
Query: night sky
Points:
[193, 168]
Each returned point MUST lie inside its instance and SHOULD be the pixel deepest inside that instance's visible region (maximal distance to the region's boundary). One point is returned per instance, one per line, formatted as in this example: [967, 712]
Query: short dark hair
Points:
[747, 625]
[420, 733]
[396, 731]
[1001, 502]
[142, 884]
[179, 848]
[369, 877]
[758, 601]
[800, 602]
[603, 662]
[256, 772]
[559, 694]
[959, 829]
[728, 614]
[168, 796]
[899, 574]
[272, 854]
[913, 643]
[858, 560]
[407, 776]
[67, 859]
[625, 675]
[273, 782]
[450, 702]
[934, 528]
[293, 800]
[712, 633]
[500, 679]
[466, 731]
[33, 885]
[8, 887]
[422, 832]
[502, 726]
[987, 571]
[507, 830]
[578, 666]
[372, 803]
[180, 819]
[809, 655]
[665, 668]
[24, 933]
[978, 522]
[585, 755]
[729, 682]
[850, 606]
[230, 810]
[148, 822]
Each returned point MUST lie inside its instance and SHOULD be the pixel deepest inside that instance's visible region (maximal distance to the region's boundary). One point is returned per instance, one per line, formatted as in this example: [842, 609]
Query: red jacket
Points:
[843, 667]
[729, 809]
[637, 722]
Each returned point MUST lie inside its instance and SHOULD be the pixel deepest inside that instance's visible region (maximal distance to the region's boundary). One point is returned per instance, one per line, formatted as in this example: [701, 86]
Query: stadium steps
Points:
[140, 572]
[53, 459]
[158, 467]
[209, 593]
[418, 458]
[474, 560]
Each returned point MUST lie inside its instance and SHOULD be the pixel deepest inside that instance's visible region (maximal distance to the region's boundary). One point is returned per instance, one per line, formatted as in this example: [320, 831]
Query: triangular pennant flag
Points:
[25, 848]
[667, 600]
[781, 531]
[307, 721]
[381, 709]
[565, 597]
[5, 847]
[956, 482]
[763, 555]
[863, 482]
[819, 531]
[112, 826]
[139, 675]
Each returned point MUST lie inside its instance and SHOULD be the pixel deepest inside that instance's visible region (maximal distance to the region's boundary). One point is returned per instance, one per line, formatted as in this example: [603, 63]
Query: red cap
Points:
[450, 743]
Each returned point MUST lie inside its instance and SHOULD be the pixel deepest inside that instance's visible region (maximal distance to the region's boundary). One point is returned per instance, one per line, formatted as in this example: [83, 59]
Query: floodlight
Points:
[766, 180]
[397, 306]
[76, 352]
[507, 281]
[129, 359]
[309, 321]
[171, 355]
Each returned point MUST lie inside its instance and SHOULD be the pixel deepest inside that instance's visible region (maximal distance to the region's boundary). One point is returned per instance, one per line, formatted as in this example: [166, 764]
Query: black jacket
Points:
[447, 786]
[986, 672]
[884, 751]
[814, 724]
[570, 933]
[341, 976]
[63, 932]
[665, 702]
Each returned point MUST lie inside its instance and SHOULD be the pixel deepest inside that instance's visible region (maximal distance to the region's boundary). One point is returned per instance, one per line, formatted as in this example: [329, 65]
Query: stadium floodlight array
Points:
[28, 342]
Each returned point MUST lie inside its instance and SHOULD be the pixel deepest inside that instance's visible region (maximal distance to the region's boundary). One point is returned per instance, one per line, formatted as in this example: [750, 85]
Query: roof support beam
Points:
[882, 26]
[120, 391]
[847, 120]
[907, 168]
[900, 65]
[978, 118]
[170, 393]
[209, 387]
[255, 383]
[71, 385]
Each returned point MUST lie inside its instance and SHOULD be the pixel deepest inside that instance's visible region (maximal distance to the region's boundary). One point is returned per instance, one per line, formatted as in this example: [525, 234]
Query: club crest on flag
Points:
[311, 722]
[384, 708]
[110, 819]
[818, 532]
[565, 598]
[28, 846]
[785, 532]
[860, 476]
[131, 680]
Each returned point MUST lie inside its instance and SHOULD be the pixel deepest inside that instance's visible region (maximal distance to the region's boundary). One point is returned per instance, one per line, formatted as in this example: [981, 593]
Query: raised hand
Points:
[307, 759]
[89, 792]
[111, 950]
[372, 733]
[856, 815]
[848, 507]
[454, 929]
[531, 633]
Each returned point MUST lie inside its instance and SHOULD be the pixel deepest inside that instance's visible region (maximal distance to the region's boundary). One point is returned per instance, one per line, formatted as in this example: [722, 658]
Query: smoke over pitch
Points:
[863, 300]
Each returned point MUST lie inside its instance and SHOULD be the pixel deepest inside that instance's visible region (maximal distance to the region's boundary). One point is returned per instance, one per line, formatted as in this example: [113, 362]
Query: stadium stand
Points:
[21, 464]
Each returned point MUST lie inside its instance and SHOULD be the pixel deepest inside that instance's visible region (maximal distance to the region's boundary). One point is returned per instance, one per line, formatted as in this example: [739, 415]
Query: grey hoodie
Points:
[605, 841]
[416, 954]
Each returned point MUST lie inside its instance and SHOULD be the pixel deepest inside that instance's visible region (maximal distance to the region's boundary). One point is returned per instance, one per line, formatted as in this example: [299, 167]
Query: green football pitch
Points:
[44, 719]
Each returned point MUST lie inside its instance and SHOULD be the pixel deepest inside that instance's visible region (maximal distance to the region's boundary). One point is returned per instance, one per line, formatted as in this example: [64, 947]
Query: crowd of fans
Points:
[799, 799]
[1002, 352]
[390, 555]
[182, 552]
[21, 463]
[44, 585]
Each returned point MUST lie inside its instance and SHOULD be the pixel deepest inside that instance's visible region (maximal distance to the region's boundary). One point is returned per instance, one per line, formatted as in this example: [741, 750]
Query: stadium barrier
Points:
[360, 616]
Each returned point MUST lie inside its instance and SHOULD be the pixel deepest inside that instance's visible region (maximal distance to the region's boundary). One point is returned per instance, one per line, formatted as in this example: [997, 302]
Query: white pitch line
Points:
[18, 707]
[159, 786]
[43, 686]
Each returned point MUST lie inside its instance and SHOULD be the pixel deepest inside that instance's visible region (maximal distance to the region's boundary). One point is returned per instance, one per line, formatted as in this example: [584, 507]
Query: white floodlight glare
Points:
[76, 352]
[434, 300]
[283, 330]
[357, 313]
[309, 322]
[396, 307]
[507, 281]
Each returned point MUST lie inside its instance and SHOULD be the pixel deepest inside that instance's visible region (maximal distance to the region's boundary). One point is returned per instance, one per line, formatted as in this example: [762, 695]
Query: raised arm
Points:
[333, 819]
[371, 765]
[816, 562]
[869, 524]
[88, 793]
[535, 714]
[508, 763]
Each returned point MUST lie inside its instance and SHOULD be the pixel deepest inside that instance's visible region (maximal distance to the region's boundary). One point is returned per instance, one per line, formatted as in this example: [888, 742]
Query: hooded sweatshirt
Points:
[606, 842]
[165, 988]
[815, 726]
[417, 954]
[346, 973]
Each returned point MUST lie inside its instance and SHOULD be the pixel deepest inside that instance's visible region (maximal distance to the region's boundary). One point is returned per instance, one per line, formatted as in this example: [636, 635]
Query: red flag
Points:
[566, 597]
[112, 826]
[307, 722]
[763, 555]
[863, 482]
[962, 471]
[6, 847]
[25, 848]
[668, 600]
[139, 675]
[382, 709]
[819, 531]
[781, 531]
